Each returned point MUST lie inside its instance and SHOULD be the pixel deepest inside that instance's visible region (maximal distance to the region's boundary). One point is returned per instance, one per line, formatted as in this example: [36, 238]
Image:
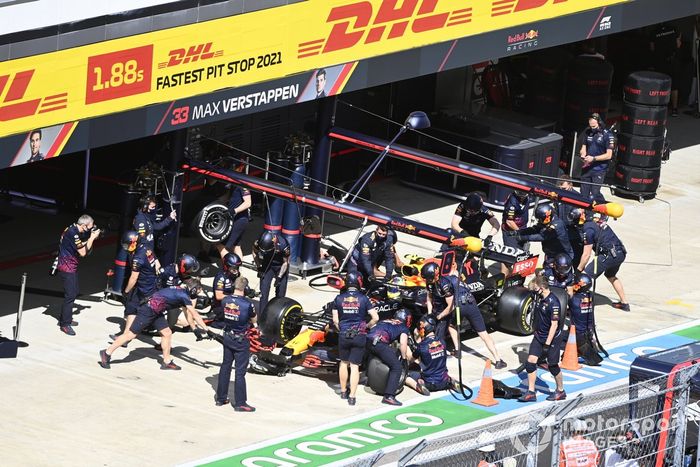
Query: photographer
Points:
[76, 242]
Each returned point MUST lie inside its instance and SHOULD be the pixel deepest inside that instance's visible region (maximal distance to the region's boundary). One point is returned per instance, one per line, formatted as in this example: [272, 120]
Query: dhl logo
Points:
[506, 7]
[18, 84]
[358, 22]
[192, 54]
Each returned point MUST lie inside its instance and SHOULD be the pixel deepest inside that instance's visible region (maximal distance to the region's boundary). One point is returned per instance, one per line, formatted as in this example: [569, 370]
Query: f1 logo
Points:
[358, 22]
[18, 87]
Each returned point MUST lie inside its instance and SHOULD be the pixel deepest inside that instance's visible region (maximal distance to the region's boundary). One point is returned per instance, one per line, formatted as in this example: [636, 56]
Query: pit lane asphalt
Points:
[60, 408]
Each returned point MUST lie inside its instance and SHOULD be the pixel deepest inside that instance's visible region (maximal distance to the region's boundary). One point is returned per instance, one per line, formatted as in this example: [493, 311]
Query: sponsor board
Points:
[163, 66]
[439, 416]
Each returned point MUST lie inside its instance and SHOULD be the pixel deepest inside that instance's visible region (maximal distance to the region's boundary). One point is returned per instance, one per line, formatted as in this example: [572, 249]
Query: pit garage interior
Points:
[507, 103]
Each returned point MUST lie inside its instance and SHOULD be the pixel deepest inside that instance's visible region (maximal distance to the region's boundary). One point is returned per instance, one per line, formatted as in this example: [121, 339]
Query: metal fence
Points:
[638, 425]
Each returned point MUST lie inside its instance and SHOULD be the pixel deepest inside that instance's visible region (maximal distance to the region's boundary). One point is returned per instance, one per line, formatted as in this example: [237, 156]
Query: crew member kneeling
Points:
[239, 315]
[546, 341]
[432, 356]
[379, 340]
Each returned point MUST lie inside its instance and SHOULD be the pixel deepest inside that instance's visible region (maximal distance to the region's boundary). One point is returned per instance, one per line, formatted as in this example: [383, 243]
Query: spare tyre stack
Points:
[643, 132]
[546, 80]
[588, 85]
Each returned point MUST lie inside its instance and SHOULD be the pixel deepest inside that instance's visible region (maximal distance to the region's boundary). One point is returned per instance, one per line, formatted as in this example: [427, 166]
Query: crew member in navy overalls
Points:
[379, 341]
[152, 313]
[76, 242]
[516, 213]
[470, 216]
[239, 316]
[238, 205]
[445, 295]
[175, 273]
[142, 283]
[223, 283]
[350, 310]
[563, 211]
[560, 273]
[546, 340]
[610, 254]
[581, 312]
[550, 230]
[145, 222]
[596, 152]
[271, 254]
[371, 251]
[431, 353]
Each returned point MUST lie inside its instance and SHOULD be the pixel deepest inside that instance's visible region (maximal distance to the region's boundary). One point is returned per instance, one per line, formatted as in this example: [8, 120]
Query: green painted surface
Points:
[691, 333]
[326, 446]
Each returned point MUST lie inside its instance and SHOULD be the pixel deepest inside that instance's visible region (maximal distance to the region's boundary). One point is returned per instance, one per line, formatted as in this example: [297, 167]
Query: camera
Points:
[102, 232]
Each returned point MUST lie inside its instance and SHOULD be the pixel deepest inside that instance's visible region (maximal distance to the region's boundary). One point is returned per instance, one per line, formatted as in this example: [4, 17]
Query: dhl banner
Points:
[121, 74]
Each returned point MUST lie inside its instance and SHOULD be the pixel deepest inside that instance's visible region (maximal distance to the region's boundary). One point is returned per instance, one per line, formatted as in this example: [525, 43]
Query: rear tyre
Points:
[378, 374]
[638, 151]
[281, 319]
[515, 311]
[643, 120]
[213, 224]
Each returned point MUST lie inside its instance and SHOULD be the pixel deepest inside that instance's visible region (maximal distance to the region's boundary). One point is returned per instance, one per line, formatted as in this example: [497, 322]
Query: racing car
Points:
[309, 343]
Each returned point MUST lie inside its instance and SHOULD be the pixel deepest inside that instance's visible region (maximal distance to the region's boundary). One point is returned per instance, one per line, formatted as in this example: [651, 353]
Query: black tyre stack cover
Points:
[643, 126]
[547, 83]
[588, 83]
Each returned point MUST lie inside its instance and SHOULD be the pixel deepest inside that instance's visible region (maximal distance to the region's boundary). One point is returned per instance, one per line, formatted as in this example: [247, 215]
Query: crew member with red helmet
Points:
[175, 273]
[549, 230]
